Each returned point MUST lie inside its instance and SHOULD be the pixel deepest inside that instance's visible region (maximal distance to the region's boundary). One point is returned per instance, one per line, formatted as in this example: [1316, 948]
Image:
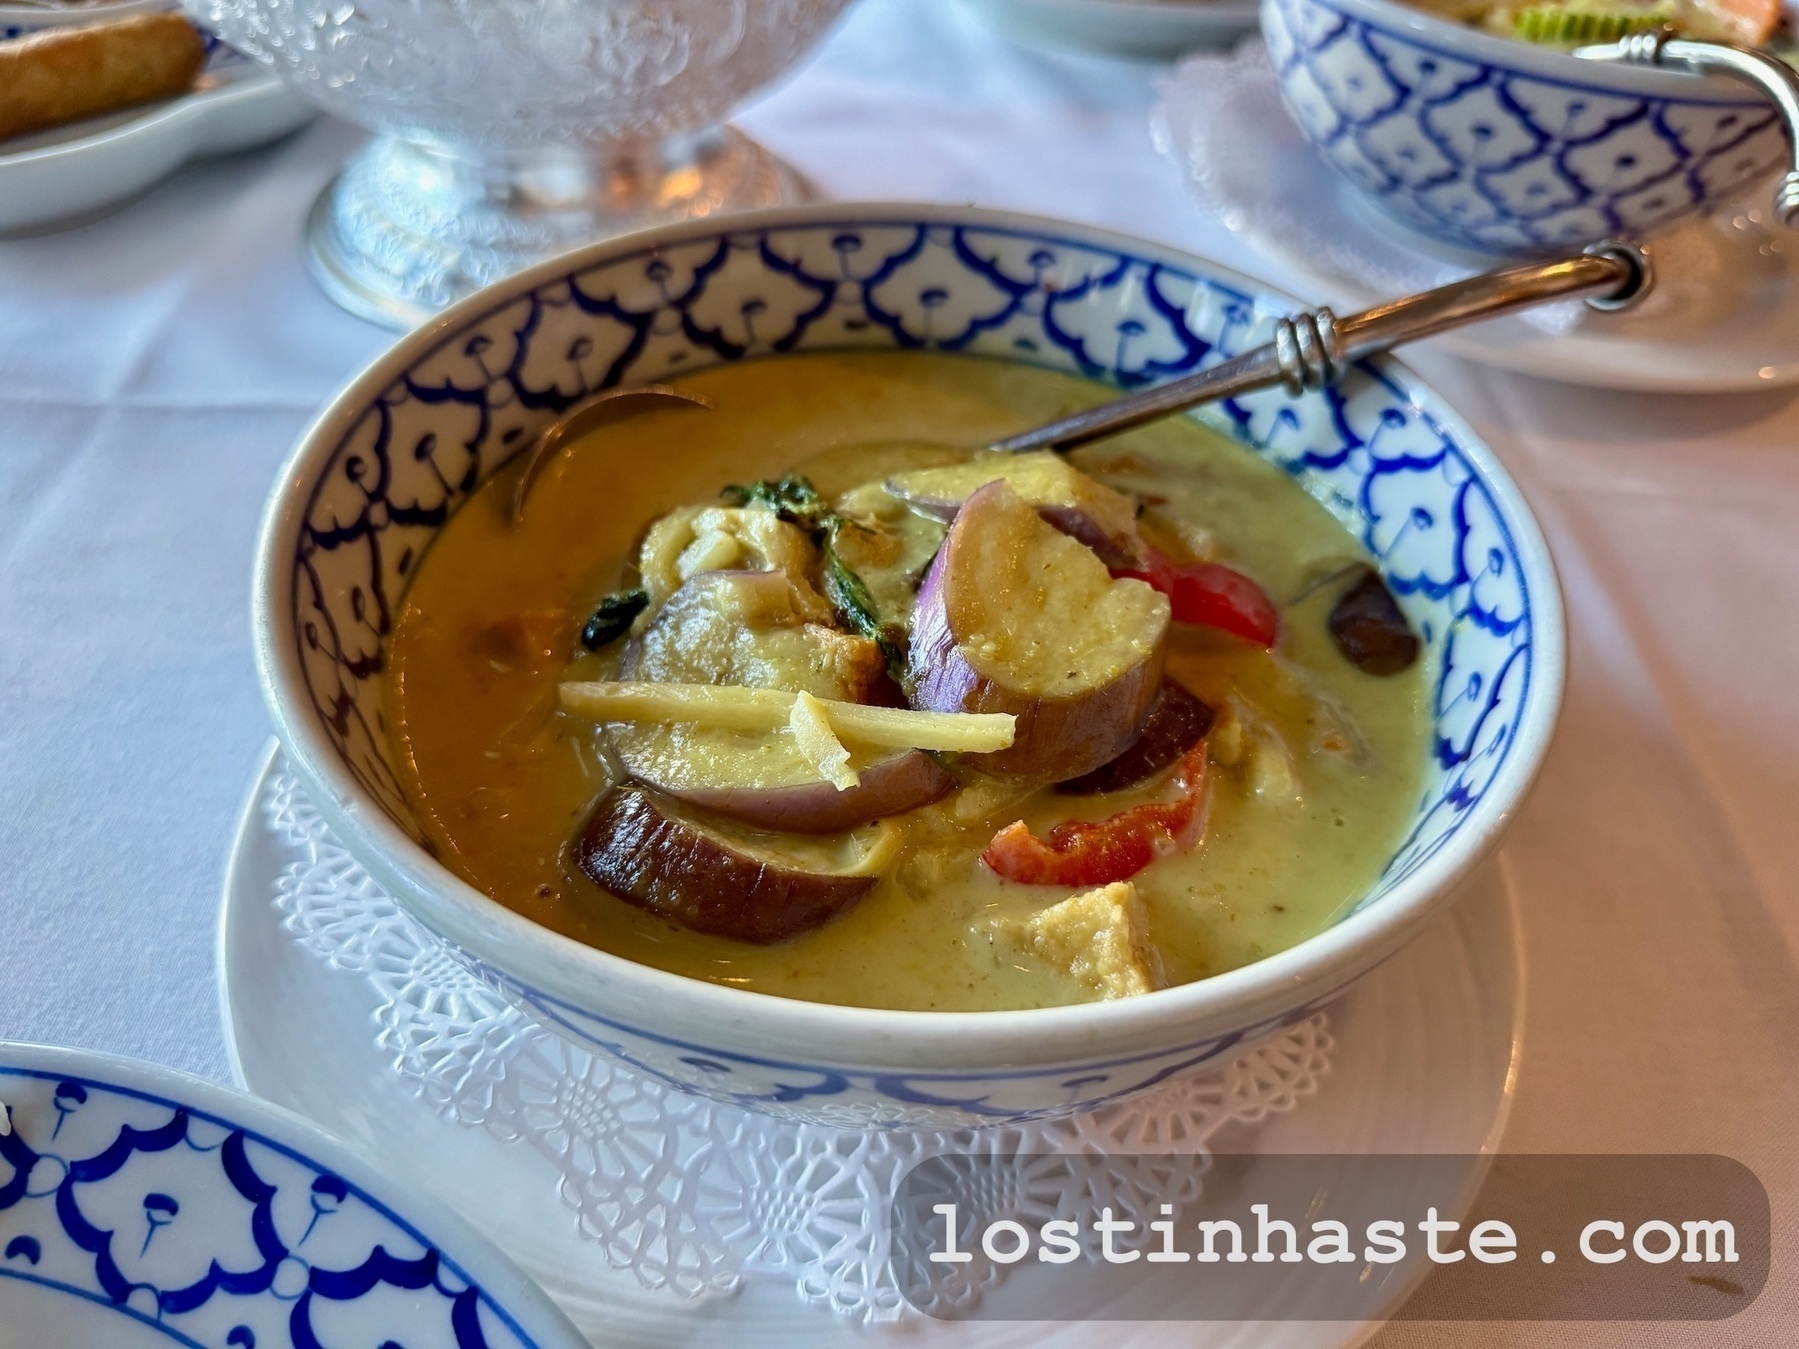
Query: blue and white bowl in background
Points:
[1505, 147]
[144, 1207]
[401, 449]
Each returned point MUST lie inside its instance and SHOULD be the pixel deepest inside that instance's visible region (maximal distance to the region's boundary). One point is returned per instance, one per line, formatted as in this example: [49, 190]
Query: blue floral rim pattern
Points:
[761, 1082]
[212, 1234]
[1483, 155]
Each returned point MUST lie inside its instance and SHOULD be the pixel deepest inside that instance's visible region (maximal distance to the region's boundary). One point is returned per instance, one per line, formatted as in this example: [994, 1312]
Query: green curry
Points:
[746, 658]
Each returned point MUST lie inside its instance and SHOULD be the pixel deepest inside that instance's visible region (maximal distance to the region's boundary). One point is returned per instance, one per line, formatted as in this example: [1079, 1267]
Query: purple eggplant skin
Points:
[1177, 722]
[643, 847]
[1057, 737]
[1123, 554]
[1370, 631]
[1068, 500]
[1053, 735]
[892, 786]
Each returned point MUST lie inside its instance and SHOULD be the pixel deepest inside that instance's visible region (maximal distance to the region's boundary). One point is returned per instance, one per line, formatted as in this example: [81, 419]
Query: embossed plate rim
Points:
[296, 1068]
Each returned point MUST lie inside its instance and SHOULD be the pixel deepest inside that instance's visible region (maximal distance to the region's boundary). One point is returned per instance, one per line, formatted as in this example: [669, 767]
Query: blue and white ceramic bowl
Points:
[143, 1207]
[402, 448]
[1505, 147]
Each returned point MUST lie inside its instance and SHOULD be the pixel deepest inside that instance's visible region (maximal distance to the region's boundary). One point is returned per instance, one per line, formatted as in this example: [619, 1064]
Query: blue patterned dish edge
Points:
[1495, 145]
[219, 1221]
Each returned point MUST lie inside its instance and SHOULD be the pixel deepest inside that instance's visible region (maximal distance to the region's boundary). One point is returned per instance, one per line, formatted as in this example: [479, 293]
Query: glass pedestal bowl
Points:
[508, 131]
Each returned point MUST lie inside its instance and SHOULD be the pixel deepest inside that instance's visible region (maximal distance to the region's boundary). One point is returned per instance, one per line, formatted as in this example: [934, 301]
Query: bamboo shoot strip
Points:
[812, 732]
[735, 708]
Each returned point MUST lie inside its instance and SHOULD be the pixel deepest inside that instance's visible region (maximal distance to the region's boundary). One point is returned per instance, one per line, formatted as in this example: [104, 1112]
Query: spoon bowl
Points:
[602, 409]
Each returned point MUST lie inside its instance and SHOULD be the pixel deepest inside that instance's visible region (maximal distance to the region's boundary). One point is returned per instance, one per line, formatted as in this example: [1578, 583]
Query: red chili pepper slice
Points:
[1086, 853]
[1212, 595]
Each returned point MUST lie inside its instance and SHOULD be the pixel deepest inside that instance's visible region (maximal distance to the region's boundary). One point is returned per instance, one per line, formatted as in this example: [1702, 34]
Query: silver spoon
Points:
[1313, 350]
[1309, 350]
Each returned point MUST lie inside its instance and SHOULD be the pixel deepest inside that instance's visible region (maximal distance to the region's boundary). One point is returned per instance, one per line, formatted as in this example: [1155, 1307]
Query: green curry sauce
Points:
[1316, 765]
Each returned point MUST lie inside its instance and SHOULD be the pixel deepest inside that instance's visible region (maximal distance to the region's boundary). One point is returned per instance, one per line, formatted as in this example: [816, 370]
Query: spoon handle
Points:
[1313, 349]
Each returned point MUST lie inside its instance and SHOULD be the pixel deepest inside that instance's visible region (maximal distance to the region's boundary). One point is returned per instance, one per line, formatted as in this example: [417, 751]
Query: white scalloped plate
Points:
[1424, 1057]
[141, 1206]
[74, 173]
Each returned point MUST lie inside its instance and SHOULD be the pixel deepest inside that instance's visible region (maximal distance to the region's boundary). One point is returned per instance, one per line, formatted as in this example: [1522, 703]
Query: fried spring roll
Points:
[66, 74]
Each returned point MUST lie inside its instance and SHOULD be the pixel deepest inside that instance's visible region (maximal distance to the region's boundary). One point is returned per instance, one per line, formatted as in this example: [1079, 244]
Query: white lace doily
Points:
[690, 1195]
[1222, 120]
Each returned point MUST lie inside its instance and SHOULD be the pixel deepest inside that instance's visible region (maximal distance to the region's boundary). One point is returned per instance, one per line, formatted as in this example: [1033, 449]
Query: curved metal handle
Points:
[1772, 76]
[1311, 350]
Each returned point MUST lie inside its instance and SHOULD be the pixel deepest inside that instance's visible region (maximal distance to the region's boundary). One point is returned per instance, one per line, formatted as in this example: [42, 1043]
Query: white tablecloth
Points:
[156, 366]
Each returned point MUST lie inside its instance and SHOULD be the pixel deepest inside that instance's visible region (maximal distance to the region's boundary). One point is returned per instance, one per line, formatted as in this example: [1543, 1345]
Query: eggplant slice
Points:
[1081, 507]
[1177, 722]
[902, 781]
[651, 851]
[1369, 629]
[1016, 617]
[730, 627]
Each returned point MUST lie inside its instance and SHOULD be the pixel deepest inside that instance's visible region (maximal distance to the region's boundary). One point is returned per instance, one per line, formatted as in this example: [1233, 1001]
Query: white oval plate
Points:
[1139, 29]
[73, 173]
[1423, 1063]
[143, 1207]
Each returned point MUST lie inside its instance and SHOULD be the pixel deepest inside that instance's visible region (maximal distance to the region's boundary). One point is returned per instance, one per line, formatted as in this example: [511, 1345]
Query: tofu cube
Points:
[1101, 938]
